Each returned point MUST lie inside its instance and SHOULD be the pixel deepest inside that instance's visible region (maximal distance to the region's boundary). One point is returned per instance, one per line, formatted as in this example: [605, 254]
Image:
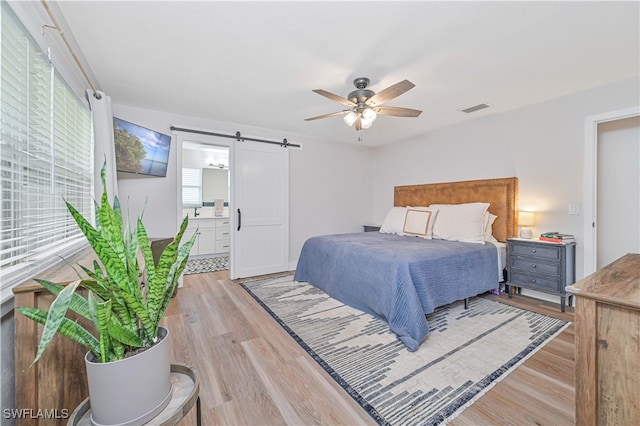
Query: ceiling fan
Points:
[364, 104]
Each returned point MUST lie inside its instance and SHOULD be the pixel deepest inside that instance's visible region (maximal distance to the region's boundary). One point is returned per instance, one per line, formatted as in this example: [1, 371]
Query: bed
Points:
[401, 278]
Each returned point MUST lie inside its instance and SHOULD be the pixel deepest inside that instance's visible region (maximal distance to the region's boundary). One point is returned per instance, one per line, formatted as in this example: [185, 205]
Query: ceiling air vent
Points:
[476, 108]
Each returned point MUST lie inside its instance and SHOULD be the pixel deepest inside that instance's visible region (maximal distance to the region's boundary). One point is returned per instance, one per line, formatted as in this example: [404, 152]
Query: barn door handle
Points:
[239, 219]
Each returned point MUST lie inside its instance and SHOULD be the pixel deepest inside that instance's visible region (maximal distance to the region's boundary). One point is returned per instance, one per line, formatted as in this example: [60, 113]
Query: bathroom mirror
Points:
[215, 184]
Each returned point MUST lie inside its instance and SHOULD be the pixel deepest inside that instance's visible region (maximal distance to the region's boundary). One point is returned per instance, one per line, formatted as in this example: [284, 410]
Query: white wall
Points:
[542, 144]
[331, 191]
[330, 183]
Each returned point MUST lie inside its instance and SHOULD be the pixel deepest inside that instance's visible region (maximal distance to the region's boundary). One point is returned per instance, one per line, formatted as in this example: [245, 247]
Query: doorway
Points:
[204, 195]
[591, 182]
[618, 190]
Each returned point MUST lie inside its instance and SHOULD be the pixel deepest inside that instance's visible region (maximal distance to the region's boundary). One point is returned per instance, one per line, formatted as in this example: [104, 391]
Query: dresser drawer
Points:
[538, 250]
[536, 282]
[530, 264]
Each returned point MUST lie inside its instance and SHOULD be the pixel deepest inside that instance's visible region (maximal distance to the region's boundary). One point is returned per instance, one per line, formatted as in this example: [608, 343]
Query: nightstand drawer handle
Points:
[533, 281]
[534, 265]
[533, 250]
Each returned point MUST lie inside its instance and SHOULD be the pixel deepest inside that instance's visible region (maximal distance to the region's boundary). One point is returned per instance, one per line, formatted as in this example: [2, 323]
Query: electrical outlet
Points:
[574, 208]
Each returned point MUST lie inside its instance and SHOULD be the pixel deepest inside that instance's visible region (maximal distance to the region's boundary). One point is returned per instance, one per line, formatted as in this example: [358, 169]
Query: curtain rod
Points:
[285, 143]
[56, 27]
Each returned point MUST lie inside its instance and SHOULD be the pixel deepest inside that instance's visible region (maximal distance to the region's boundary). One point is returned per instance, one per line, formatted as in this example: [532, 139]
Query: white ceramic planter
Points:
[133, 390]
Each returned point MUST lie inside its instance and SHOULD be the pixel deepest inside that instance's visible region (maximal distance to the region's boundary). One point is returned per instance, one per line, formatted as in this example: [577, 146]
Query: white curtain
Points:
[104, 145]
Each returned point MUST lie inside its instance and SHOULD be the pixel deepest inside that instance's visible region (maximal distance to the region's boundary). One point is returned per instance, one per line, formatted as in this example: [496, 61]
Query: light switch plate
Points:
[574, 208]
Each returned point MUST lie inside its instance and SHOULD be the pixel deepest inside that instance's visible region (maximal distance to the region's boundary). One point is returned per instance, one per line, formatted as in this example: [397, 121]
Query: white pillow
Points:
[394, 221]
[460, 222]
[430, 219]
[488, 219]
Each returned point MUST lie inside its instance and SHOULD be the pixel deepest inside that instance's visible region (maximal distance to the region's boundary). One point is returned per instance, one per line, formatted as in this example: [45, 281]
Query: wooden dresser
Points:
[607, 327]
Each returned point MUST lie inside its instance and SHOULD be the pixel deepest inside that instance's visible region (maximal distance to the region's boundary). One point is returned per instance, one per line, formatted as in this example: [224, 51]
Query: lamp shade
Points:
[369, 115]
[526, 219]
[350, 118]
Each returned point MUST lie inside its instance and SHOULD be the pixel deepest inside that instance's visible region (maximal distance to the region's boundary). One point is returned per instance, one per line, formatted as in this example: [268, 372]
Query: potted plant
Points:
[127, 295]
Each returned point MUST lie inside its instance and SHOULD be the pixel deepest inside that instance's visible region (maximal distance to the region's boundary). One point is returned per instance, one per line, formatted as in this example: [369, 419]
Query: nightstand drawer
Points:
[529, 264]
[536, 282]
[538, 250]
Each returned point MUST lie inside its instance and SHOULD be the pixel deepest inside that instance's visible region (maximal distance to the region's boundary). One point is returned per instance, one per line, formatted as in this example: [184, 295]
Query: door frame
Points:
[591, 181]
[206, 140]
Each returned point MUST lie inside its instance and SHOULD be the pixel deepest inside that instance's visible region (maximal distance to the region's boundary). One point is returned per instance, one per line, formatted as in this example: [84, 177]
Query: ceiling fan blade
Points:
[389, 93]
[333, 114]
[358, 123]
[397, 111]
[333, 97]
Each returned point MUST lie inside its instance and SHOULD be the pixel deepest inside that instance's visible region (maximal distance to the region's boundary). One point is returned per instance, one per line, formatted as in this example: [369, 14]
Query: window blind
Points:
[46, 157]
[191, 187]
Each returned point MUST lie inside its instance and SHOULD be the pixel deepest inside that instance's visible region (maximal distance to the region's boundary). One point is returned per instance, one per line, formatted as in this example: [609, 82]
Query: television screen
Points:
[140, 150]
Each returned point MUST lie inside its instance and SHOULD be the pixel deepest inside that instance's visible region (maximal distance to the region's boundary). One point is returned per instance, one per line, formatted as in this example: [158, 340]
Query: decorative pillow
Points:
[417, 222]
[429, 220]
[460, 222]
[488, 219]
[394, 221]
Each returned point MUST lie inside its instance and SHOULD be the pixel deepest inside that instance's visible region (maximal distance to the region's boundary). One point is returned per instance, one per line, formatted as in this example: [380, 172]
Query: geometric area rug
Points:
[465, 353]
[209, 264]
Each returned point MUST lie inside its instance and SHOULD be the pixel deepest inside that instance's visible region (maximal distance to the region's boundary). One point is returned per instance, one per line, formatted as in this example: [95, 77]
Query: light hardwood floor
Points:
[253, 373]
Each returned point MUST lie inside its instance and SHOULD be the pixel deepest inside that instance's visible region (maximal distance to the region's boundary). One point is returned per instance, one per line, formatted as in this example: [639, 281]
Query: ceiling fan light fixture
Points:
[350, 118]
[369, 115]
[366, 123]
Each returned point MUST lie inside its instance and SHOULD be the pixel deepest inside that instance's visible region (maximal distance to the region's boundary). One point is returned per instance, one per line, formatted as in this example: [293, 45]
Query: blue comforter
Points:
[397, 278]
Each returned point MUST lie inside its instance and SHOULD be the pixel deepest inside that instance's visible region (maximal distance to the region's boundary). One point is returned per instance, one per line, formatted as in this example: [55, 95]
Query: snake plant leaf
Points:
[69, 329]
[118, 306]
[145, 247]
[110, 222]
[178, 267]
[102, 287]
[123, 334]
[96, 283]
[103, 314]
[117, 209]
[115, 269]
[56, 313]
[78, 304]
[131, 246]
[133, 267]
[158, 286]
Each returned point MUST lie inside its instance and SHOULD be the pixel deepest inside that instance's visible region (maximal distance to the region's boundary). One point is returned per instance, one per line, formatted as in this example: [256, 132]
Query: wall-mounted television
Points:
[139, 150]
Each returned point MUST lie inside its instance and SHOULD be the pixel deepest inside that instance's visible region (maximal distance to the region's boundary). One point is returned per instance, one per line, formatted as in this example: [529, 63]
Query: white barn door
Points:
[260, 185]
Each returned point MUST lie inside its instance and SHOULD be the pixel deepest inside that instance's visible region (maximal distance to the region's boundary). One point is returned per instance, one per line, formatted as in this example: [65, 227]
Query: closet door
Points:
[260, 188]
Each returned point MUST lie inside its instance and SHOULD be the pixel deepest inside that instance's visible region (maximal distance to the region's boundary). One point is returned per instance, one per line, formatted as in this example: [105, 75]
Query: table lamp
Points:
[525, 221]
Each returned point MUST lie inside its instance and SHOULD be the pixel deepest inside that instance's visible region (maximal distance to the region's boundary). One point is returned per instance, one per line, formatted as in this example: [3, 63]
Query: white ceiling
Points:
[255, 63]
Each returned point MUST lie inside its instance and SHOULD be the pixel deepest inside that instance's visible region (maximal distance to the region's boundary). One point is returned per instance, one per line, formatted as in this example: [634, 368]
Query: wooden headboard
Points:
[502, 194]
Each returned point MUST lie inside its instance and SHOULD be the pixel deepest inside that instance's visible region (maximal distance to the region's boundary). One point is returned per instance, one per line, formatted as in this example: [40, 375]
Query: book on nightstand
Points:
[557, 237]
